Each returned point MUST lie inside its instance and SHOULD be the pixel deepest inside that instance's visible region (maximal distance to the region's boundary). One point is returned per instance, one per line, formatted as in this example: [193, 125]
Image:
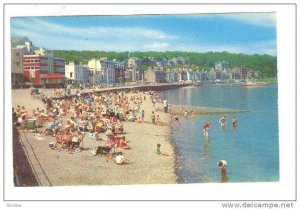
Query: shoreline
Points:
[163, 134]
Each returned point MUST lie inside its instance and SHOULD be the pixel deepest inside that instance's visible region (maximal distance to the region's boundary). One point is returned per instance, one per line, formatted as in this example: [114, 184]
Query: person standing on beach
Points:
[165, 105]
[185, 113]
[158, 152]
[157, 120]
[69, 89]
[65, 88]
[143, 115]
[154, 101]
[31, 90]
[192, 114]
[153, 117]
[181, 110]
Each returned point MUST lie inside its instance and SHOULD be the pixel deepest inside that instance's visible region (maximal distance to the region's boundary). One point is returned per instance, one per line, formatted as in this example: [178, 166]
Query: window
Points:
[71, 75]
[17, 54]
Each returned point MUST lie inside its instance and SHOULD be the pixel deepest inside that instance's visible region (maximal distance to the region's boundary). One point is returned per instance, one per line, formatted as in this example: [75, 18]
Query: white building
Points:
[222, 66]
[134, 69]
[190, 75]
[106, 71]
[20, 46]
[77, 73]
[95, 71]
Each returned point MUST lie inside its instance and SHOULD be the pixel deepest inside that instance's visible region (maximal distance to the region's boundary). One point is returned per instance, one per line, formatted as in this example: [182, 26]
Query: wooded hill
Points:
[203, 61]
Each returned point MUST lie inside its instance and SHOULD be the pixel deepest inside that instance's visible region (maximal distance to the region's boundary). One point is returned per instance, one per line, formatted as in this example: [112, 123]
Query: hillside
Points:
[265, 63]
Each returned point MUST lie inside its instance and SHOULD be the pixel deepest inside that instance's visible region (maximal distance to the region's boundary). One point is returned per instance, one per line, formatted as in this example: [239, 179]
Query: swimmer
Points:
[233, 122]
[222, 121]
[206, 128]
[222, 164]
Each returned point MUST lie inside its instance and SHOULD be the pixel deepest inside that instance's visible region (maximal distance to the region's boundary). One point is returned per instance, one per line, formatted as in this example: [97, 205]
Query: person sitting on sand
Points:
[68, 126]
[121, 160]
[139, 120]
[20, 121]
[76, 140]
[104, 150]
[23, 111]
[63, 140]
[44, 115]
[122, 143]
[176, 119]
[114, 120]
[54, 126]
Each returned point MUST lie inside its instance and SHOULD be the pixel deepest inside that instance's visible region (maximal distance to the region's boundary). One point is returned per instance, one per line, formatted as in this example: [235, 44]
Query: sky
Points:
[247, 33]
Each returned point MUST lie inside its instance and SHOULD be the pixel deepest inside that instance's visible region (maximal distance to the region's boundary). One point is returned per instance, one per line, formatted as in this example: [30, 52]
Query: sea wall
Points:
[153, 87]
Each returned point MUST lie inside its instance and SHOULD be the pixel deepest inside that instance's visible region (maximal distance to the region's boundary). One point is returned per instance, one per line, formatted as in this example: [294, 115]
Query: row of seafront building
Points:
[221, 72]
[38, 66]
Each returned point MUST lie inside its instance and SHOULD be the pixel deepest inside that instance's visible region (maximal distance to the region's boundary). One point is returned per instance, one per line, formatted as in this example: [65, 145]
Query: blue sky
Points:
[247, 33]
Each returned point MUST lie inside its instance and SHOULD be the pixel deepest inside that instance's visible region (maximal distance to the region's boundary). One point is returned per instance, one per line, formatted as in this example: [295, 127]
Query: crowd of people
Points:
[69, 119]
[98, 116]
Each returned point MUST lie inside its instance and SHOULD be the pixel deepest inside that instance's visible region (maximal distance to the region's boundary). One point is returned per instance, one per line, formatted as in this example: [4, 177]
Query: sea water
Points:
[251, 150]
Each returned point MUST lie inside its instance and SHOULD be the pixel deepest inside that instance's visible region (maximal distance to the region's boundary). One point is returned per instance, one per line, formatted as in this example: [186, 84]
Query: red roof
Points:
[53, 76]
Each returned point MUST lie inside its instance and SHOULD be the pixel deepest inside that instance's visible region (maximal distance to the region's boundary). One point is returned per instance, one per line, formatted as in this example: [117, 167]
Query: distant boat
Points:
[196, 84]
[253, 84]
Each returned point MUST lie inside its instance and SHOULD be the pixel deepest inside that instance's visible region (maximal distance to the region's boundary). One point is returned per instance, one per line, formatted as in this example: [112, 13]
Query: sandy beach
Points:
[54, 168]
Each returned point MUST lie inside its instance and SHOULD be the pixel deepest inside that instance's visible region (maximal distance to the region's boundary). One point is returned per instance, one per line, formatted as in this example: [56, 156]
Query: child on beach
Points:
[139, 120]
[157, 120]
[158, 152]
[120, 159]
[143, 115]
[153, 117]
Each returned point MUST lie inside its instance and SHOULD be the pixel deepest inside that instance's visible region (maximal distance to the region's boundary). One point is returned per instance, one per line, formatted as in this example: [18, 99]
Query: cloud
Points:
[258, 19]
[93, 32]
[157, 46]
[55, 36]
[262, 47]
[265, 19]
